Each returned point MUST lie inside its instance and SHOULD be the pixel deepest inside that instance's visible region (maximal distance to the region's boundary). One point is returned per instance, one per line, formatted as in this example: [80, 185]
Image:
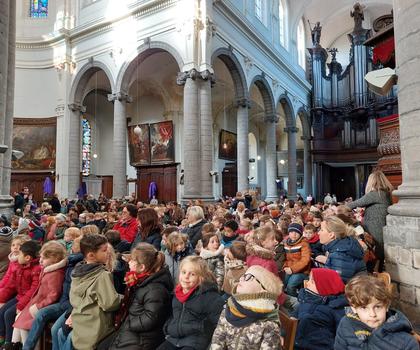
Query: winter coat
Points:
[173, 261]
[234, 269]
[257, 255]
[394, 333]
[148, 311]
[194, 232]
[13, 266]
[298, 255]
[154, 238]
[192, 323]
[55, 205]
[280, 256]
[128, 230]
[93, 298]
[215, 262]
[260, 335]
[48, 292]
[318, 317]
[316, 246]
[346, 257]
[72, 261]
[5, 242]
[23, 283]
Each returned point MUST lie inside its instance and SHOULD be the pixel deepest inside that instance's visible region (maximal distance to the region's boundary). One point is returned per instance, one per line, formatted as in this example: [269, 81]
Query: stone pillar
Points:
[75, 150]
[119, 186]
[307, 165]
[271, 157]
[243, 105]
[191, 134]
[291, 157]
[402, 232]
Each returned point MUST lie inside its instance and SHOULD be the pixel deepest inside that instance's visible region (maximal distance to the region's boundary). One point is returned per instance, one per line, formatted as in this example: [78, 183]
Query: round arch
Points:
[235, 68]
[266, 93]
[287, 105]
[304, 120]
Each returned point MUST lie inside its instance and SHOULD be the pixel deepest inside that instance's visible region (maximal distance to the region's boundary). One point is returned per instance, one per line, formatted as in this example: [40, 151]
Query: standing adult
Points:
[376, 201]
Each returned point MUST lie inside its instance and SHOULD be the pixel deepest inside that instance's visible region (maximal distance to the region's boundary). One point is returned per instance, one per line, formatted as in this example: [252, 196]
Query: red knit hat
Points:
[328, 282]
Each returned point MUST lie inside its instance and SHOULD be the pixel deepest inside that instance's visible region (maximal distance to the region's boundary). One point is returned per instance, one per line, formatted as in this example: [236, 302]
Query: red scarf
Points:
[132, 277]
[314, 239]
[181, 296]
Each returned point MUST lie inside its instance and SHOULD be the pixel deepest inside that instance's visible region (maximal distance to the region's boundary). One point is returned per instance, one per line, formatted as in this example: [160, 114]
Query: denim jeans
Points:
[7, 318]
[294, 282]
[64, 340]
[57, 336]
[42, 318]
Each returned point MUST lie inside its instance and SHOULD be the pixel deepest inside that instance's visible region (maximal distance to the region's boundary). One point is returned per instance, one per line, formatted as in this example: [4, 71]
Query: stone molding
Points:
[291, 129]
[243, 102]
[120, 96]
[77, 107]
[193, 74]
[271, 118]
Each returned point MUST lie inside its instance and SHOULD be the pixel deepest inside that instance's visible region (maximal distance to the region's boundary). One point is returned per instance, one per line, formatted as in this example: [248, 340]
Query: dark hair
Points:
[113, 237]
[317, 215]
[132, 210]
[30, 248]
[149, 221]
[91, 243]
[208, 228]
[206, 238]
[168, 230]
[146, 254]
[309, 227]
[232, 224]
[238, 250]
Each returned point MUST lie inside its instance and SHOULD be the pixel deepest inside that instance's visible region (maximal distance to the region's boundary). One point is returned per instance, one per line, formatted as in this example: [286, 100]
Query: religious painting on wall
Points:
[139, 144]
[227, 145]
[36, 138]
[162, 148]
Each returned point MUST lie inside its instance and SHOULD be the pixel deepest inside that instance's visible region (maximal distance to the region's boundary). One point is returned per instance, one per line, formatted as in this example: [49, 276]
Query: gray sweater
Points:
[376, 209]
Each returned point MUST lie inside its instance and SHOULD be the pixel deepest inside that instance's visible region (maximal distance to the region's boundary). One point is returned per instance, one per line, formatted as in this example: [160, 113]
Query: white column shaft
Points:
[242, 148]
[271, 161]
[291, 156]
[119, 188]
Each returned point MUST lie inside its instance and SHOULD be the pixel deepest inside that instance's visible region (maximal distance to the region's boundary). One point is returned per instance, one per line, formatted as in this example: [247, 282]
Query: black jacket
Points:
[149, 308]
[154, 238]
[194, 232]
[192, 324]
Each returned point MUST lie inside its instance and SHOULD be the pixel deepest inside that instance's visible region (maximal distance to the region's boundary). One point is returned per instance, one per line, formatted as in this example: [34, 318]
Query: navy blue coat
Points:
[346, 257]
[318, 320]
[353, 334]
[154, 238]
[73, 260]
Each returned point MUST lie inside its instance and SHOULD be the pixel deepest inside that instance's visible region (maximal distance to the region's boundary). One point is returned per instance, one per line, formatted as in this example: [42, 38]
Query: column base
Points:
[6, 205]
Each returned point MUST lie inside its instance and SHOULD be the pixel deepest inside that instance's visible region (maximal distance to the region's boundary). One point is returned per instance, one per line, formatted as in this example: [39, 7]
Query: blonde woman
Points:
[375, 202]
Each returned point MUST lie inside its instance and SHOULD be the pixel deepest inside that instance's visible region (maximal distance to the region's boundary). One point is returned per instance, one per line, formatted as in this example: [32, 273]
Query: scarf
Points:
[132, 278]
[181, 296]
[245, 309]
[314, 239]
[226, 239]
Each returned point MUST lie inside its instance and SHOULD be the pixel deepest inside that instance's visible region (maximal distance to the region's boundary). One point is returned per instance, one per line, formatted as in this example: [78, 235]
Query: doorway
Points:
[343, 182]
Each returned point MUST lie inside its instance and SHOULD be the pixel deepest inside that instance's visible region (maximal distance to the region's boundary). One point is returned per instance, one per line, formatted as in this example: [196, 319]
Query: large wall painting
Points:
[162, 148]
[227, 145]
[139, 145]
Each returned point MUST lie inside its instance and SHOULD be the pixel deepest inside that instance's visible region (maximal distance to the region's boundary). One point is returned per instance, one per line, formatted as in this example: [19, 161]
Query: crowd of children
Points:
[214, 276]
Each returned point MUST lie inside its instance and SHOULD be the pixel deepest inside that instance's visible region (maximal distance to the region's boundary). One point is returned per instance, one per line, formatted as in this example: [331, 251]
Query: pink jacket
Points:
[48, 292]
[13, 266]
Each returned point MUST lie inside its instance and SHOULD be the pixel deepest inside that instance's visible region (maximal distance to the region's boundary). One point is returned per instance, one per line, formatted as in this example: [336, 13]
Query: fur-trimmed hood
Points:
[256, 250]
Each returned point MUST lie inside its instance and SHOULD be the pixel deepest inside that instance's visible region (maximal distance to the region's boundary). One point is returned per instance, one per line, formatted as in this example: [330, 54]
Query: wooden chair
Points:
[290, 327]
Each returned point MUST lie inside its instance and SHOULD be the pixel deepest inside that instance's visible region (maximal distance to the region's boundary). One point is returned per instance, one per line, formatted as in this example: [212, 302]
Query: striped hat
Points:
[295, 227]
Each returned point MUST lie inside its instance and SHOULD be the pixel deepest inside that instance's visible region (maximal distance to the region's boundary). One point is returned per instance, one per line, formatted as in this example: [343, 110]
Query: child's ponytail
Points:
[147, 255]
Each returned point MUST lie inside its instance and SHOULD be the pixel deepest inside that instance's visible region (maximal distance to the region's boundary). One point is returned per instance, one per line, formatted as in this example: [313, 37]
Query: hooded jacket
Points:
[346, 257]
[298, 255]
[149, 308]
[394, 333]
[93, 297]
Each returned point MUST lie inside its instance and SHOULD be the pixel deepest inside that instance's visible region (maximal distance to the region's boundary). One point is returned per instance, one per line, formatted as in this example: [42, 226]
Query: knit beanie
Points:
[328, 282]
[295, 227]
[60, 217]
[269, 281]
[6, 232]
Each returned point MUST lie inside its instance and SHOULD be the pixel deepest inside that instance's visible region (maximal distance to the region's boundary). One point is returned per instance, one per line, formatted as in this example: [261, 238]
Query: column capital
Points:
[306, 138]
[243, 102]
[120, 96]
[291, 129]
[271, 118]
[207, 75]
[77, 107]
[183, 76]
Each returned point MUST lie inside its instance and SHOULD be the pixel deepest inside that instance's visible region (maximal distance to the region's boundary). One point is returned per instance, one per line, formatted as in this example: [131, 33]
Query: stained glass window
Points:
[86, 147]
[39, 9]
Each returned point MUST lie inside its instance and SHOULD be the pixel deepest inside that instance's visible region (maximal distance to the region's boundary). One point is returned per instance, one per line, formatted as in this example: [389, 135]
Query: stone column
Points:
[307, 165]
[243, 105]
[119, 186]
[191, 134]
[291, 158]
[402, 232]
[75, 149]
[271, 157]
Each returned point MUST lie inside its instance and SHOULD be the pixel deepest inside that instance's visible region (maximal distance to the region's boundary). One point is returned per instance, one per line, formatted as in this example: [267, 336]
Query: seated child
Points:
[114, 238]
[70, 235]
[320, 309]
[370, 323]
[53, 261]
[177, 248]
[99, 221]
[247, 323]
[22, 284]
[235, 266]
[261, 251]
[196, 308]
[245, 226]
[165, 233]
[229, 233]
[298, 259]
[61, 226]
[316, 220]
[212, 253]
[279, 252]
[313, 239]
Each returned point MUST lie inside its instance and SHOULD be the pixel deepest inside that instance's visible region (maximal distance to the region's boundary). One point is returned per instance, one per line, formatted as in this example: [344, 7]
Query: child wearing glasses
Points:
[250, 319]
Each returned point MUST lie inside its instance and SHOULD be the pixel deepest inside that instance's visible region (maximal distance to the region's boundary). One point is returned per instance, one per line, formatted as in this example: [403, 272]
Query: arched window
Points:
[86, 146]
[301, 43]
[282, 22]
[39, 9]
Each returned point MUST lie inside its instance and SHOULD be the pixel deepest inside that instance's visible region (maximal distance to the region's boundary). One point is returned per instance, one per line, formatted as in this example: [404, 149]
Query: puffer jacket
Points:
[93, 298]
[257, 255]
[346, 257]
[298, 255]
[215, 262]
[154, 238]
[260, 335]
[318, 317]
[394, 333]
[149, 307]
[192, 323]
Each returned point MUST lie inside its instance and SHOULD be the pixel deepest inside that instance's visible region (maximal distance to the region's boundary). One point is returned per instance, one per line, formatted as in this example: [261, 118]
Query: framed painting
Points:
[139, 145]
[36, 138]
[227, 145]
[162, 148]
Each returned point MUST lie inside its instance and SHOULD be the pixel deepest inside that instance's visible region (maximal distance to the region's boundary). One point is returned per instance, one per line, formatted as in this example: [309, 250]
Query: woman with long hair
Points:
[149, 228]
